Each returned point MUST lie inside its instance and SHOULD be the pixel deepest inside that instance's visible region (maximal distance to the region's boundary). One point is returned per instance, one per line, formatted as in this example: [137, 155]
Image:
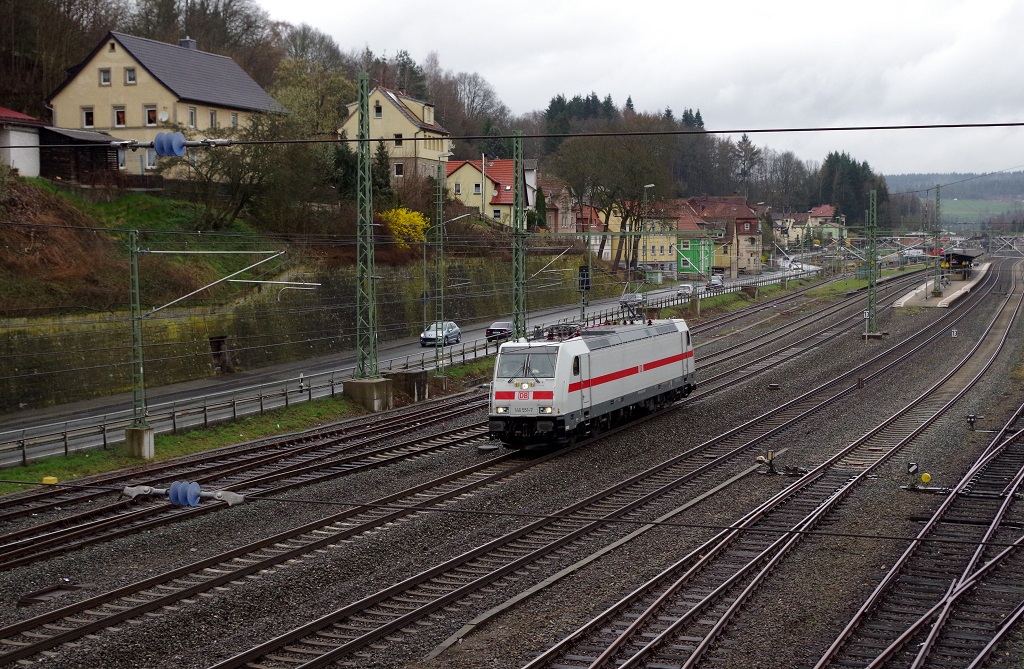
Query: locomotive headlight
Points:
[500, 409]
[545, 410]
[525, 384]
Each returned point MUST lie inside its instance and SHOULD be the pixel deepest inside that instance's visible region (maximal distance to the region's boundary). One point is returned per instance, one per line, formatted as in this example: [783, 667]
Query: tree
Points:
[307, 44]
[540, 210]
[42, 39]
[844, 183]
[556, 121]
[380, 176]
[406, 226]
[227, 180]
[344, 177]
[315, 97]
[609, 173]
[747, 160]
[408, 76]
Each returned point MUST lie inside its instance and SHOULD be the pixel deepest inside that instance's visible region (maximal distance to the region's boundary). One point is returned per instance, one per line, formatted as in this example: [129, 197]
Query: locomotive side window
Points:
[576, 366]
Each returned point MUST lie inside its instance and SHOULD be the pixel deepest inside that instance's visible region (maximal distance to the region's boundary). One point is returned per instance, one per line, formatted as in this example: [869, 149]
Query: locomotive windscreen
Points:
[535, 362]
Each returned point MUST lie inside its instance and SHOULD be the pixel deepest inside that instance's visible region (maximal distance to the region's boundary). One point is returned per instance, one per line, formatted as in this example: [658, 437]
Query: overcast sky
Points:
[745, 65]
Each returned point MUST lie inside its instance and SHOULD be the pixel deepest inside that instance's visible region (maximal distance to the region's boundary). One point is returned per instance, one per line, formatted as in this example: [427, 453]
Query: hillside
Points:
[61, 254]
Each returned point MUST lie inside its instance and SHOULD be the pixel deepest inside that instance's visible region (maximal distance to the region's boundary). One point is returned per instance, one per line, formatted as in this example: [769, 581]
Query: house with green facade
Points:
[694, 247]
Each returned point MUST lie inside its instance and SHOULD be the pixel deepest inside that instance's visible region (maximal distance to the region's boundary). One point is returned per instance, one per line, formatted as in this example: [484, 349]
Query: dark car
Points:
[499, 330]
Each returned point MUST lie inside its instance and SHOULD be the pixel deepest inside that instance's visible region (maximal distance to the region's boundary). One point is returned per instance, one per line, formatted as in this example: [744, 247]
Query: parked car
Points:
[631, 300]
[499, 330]
[448, 332]
[685, 290]
[716, 282]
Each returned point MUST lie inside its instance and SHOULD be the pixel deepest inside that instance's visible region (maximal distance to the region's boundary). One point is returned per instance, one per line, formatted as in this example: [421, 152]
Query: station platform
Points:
[951, 291]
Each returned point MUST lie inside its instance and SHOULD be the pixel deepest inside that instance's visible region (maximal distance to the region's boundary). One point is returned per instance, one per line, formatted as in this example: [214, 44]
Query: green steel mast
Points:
[439, 278]
[138, 379]
[518, 243]
[366, 294]
[870, 325]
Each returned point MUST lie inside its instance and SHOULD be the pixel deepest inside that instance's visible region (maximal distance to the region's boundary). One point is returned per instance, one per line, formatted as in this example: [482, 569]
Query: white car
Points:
[685, 290]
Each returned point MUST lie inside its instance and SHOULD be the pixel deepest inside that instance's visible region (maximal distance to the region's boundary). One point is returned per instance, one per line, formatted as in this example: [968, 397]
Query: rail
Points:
[24, 445]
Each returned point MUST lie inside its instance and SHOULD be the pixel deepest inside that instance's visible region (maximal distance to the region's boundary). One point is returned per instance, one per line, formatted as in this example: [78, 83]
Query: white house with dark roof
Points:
[134, 88]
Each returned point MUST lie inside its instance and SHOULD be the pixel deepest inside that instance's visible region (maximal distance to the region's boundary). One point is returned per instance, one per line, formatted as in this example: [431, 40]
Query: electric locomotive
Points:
[551, 390]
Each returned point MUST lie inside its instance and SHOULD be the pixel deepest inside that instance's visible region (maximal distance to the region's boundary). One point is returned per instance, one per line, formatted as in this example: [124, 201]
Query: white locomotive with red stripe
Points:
[553, 390]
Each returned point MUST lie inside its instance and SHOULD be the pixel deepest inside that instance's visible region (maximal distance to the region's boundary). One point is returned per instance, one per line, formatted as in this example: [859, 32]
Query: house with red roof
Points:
[488, 185]
[736, 229]
[821, 226]
[694, 248]
[19, 141]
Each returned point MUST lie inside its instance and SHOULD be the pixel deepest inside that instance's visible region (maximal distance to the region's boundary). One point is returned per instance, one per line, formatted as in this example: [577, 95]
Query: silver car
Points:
[447, 332]
[631, 300]
[685, 290]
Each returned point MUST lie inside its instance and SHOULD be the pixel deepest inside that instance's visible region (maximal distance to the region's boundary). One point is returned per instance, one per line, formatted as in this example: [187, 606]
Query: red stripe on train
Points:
[621, 374]
[536, 394]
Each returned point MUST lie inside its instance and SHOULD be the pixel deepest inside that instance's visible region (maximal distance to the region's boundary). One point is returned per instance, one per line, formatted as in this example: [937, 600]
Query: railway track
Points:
[598, 519]
[267, 468]
[373, 619]
[956, 590]
[680, 618]
[274, 466]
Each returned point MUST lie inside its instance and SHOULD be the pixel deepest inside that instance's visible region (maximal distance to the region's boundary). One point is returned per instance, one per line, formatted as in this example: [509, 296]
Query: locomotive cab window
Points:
[576, 366]
[526, 362]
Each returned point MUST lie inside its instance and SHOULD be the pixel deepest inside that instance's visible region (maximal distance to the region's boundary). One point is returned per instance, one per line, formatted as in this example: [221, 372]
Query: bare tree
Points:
[307, 44]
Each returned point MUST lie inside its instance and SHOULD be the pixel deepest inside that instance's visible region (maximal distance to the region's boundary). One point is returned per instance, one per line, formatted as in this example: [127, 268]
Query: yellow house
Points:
[488, 186]
[134, 88]
[414, 140]
[654, 239]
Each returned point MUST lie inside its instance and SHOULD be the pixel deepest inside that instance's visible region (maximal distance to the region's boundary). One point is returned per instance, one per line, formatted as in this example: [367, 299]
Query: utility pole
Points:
[937, 260]
[518, 243]
[366, 297]
[138, 378]
[871, 257]
[439, 267]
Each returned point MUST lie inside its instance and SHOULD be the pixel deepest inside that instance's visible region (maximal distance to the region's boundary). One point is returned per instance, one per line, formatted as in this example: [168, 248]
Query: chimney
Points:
[187, 43]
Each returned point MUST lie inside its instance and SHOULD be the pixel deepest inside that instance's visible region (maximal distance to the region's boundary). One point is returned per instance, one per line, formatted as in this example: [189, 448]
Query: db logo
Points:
[524, 396]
